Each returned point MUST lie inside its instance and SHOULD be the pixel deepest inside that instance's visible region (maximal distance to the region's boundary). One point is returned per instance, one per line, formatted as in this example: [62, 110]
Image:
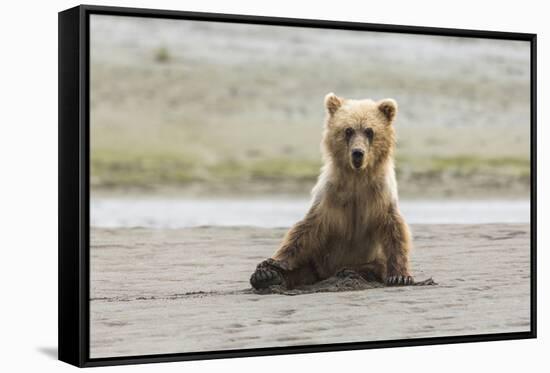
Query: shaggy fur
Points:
[354, 221]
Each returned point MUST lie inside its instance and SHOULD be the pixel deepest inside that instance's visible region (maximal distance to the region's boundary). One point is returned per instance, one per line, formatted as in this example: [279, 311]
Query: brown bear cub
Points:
[354, 222]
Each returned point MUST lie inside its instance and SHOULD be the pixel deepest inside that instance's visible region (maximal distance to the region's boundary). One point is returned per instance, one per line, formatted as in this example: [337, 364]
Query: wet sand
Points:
[186, 290]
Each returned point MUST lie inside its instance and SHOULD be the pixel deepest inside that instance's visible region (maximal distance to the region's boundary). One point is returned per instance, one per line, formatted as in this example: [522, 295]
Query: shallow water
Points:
[108, 212]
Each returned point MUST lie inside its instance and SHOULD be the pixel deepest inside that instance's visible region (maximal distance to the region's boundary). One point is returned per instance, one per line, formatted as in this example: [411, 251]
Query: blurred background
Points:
[204, 120]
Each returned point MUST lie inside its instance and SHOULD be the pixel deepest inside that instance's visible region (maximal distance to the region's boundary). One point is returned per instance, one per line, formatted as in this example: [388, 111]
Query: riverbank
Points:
[252, 122]
[186, 290]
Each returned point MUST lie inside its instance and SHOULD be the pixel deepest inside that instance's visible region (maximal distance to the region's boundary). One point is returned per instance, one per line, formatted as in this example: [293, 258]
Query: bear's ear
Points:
[388, 107]
[332, 103]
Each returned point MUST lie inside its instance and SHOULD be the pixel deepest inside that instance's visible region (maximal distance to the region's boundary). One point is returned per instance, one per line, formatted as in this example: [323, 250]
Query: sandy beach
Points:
[186, 290]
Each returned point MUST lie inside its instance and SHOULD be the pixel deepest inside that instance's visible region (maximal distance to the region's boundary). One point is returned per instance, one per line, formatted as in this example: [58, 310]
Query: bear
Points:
[354, 222]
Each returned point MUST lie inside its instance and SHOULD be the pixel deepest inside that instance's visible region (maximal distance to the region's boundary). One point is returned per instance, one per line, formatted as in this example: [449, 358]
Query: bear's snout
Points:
[357, 157]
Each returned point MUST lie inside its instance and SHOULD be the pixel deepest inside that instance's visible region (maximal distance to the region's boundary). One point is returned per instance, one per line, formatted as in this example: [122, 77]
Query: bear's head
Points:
[359, 135]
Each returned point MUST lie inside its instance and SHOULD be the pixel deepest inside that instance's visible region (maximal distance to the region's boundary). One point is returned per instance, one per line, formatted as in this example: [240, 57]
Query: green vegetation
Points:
[465, 166]
[110, 171]
[162, 55]
[158, 171]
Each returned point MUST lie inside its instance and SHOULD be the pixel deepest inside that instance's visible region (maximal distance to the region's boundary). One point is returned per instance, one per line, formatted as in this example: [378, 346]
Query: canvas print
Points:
[259, 186]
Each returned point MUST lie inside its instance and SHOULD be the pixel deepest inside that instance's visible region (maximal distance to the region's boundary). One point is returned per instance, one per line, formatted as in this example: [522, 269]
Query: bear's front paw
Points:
[399, 280]
[268, 273]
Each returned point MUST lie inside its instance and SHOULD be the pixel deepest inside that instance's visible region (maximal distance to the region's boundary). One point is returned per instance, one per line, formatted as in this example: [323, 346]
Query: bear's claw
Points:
[398, 280]
[267, 274]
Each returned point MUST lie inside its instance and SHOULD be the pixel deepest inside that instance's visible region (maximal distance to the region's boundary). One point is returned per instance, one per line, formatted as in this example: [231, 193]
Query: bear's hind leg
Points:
[373, 271]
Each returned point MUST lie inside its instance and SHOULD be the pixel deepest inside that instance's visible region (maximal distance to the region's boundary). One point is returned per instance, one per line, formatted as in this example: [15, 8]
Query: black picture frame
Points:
[74, 191]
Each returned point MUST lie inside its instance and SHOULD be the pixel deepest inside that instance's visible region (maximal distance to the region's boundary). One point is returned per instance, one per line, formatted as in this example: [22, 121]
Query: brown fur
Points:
[354, 221]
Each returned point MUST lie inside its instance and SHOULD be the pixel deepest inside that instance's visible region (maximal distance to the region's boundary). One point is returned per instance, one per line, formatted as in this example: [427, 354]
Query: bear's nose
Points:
[357, 154]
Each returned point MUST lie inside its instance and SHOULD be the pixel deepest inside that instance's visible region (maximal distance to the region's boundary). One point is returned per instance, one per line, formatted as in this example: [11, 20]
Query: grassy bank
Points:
[227, 109]
[451, 176]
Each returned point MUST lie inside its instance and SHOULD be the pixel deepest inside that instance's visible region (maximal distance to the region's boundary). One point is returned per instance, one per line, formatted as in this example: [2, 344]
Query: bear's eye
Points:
[349, 132]
[369, 133]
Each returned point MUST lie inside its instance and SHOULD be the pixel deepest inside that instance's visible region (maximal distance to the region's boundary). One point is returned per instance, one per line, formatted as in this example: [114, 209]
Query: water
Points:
[270, 212]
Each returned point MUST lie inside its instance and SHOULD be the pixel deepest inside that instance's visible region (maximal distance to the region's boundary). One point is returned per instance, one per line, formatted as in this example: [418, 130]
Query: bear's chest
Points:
[353, 213]
[350, 227]
[353, 223]
[357, 213]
